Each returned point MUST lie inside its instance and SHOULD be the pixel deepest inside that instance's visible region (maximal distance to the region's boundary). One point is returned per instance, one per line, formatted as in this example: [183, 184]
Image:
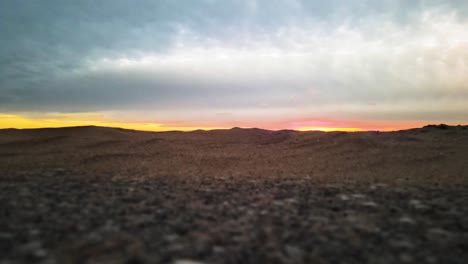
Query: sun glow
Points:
[88, 119]
[97, 119]
[54, 120]
[330, 129]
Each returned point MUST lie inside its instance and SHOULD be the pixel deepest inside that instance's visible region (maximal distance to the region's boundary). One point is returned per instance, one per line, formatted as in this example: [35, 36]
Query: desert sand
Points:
[109, 195]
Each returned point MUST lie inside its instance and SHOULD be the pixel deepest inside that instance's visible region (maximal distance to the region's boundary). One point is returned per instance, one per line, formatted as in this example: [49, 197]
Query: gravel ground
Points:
[59, 216]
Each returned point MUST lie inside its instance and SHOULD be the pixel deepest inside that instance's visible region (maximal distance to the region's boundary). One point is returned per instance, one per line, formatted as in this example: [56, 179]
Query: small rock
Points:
[40, 253]
[291, 201]
[406, 220]
[406, 258]
[294, 252]
[343, 197]
[431, 259]
[218, 249]
[402, 244]
[176, 248]
[358, 196]
[34, 232]
[438, 232]
[369, 204]
[378, 186]
[417, 204]
[171, 237]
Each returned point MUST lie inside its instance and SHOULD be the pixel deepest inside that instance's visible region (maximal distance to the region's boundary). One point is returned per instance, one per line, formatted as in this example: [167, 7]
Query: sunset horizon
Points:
[163, 65]
[62, 121]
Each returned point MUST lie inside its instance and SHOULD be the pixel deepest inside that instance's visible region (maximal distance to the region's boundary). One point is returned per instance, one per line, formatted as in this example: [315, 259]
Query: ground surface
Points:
[100, 195]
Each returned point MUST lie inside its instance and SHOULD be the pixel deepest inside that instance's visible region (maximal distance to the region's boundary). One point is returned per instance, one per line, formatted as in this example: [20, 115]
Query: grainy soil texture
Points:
[107, 195]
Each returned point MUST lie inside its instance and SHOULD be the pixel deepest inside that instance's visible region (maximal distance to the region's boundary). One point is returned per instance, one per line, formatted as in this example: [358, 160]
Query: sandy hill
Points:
[429, 154]
[107, 195]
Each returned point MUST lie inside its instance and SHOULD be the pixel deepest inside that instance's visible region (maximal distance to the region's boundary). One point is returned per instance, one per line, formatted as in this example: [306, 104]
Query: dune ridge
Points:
[432, 153]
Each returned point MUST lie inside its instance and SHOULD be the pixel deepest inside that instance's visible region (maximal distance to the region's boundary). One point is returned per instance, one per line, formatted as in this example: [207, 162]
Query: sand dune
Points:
[429, 154]
[107, 195]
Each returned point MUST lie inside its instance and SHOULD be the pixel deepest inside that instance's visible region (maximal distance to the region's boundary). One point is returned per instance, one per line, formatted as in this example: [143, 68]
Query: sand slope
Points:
[418, 155]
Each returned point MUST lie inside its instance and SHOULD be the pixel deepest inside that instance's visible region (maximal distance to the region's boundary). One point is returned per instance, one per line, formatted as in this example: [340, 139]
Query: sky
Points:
[206, 64]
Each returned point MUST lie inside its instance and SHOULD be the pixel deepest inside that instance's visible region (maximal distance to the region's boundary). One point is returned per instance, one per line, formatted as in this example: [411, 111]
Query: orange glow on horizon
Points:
[330, 129]
[54, 120]
[71, 120]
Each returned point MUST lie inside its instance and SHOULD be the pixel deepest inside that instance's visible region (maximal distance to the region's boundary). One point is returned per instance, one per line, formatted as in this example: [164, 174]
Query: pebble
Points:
[406, 220]
[406, 258]
[294, 252]
[40, 253]
[171, 237]
[59, 170]
[402, 244]
[378, 185]
[438, 232]
[417, 204]
[369, 204]
[218, 249]
[34, 232]
[343, 197]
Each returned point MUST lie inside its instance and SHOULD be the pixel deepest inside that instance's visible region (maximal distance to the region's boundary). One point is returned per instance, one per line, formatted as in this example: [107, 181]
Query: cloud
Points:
[376, 60]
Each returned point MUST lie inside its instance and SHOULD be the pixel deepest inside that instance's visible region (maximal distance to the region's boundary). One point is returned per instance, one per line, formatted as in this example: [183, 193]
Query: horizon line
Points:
[323, 129]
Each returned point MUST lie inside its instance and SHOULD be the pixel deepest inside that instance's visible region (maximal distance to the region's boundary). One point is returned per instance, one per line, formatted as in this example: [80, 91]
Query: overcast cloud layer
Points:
[236, 60]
